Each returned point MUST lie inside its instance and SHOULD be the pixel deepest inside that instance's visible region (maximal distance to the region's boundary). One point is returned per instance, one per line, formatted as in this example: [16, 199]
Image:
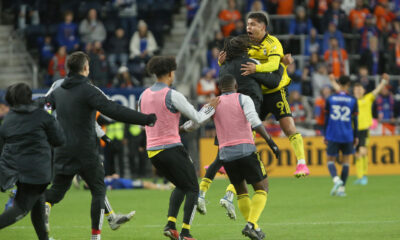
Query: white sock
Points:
[202, 194]
[96, 237]
[301, 161]
[229, 196]
[335, 179]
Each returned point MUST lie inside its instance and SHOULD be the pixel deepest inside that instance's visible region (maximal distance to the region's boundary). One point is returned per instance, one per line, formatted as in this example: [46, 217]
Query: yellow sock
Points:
[365, 160]
[172, 219]
[108, 214]
[205, 184]
[257, 206]
[49, 204]
[186, 226]
[360, 167]
[243, 201]
[231, 188]
[296, 140]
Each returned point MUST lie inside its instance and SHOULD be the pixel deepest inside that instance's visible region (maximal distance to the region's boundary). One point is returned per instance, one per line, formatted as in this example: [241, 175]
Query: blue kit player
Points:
[340, 133]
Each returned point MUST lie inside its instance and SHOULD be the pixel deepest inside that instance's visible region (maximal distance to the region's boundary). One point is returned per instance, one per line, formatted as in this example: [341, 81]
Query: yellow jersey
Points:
[270, 46]
[365, 111]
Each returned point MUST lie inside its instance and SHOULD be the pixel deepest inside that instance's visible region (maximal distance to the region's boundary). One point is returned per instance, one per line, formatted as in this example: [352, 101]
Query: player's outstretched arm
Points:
[382, 84]
[335, 85]
[260, 129]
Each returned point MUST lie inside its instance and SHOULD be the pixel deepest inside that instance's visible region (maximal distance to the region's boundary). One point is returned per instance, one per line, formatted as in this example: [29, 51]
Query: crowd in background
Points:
[341, 37]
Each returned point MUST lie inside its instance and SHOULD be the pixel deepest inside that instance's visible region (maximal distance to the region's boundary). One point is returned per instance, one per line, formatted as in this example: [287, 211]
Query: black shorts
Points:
[363, 136]
[334, 148]
[176, 165]
[249, 168]
[277, 104]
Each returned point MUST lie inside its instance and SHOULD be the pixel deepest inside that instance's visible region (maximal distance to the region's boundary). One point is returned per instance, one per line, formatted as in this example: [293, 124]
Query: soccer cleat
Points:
[173, 234]
[364, 181]
[230, 208]
[120, 219]
[336, 186]
[186, 237]
[10, 201]
[253, 234]
[201, 206]
[358, 181]
[47, 208]
[301, 171]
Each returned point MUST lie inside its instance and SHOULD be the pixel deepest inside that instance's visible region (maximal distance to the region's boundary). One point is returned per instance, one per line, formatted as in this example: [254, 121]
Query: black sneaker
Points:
[173, 234]
[251, 233]
[186, 237]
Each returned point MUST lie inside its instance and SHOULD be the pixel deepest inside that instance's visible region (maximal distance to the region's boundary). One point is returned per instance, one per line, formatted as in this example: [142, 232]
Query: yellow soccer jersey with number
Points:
[365, 111]
[270, 46]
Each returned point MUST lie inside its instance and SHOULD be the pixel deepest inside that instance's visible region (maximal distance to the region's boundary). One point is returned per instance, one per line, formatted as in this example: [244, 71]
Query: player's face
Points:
[255, 29]
[358, 92]
[172, 77]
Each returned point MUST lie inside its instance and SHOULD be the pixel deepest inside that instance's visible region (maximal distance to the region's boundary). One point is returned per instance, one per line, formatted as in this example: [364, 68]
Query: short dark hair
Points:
[344, 80]
[226, 81]
[161, 65]
[76, 61]
[259, 17]
[236, 46]
[18, 94]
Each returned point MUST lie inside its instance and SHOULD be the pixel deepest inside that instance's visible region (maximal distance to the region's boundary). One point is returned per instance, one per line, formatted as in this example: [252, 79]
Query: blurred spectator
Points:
[312, 43]
[56, 67]
[319, 79]
[394, 32]
[364, 80]
[255, 6]
[372, 58]
[4, 109]
[301, 110]
[142, 47]
[394, 57]
[272, 126]
[135, 139]
[301, 24]
[91, 29]
[191, 6]
[207, 86]
[358, 15]
[295, 75]
[318, 9]
[239, 28]
[337, 16]
[384, 16]
[28, 12]
[336, 57]
[213, 60]
[385, 107]
[348, 5]
[228, 17]
[217, 42]
[114, 151]
[123, 79]
[98, 64]
[67, 33]
[332, 32]
[311, 66]
[285, 7]
[368, 31]
[127, 13]
[117, 50]
[319, 109]
[46, 49]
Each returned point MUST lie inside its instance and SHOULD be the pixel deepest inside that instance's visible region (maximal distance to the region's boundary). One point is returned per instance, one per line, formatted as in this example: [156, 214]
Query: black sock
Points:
[175, 202]
[38, 219]
[171, 225]
[185, 232]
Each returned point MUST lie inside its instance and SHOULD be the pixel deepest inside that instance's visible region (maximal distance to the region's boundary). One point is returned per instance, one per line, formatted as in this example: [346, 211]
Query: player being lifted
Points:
[234, 119]
[341, 133]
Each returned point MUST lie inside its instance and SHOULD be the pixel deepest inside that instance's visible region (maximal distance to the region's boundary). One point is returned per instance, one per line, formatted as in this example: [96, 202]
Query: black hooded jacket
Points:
[28, 132]
[76, 102]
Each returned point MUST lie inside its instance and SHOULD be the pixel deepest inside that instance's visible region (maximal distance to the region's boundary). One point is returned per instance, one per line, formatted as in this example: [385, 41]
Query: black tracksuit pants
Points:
[29, 198]
[94, 177]
[175, 165]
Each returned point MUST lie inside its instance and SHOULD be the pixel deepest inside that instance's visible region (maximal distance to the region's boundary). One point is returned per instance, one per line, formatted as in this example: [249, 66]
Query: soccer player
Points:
[268, 51]
[235, 50]
[364, 123]
[28, 132]
[341, 133]
[76, 102]
[164, 146]
[234, 119]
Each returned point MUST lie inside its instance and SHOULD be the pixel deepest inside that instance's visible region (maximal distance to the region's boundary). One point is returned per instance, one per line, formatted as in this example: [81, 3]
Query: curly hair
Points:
[161, 65]
[236, 46]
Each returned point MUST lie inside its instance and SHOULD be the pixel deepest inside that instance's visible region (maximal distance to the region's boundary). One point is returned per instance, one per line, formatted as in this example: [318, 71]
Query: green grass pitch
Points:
[296, 209]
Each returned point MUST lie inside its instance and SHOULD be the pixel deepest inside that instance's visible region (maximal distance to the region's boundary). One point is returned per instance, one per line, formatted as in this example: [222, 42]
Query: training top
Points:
[365, 111]
[341, 118]
[269, 47]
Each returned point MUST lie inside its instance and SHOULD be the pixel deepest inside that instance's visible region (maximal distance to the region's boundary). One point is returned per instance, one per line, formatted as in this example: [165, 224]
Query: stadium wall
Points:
[384, 156]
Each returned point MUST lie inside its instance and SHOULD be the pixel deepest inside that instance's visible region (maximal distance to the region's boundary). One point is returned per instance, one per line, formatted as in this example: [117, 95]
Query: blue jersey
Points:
[341, 118]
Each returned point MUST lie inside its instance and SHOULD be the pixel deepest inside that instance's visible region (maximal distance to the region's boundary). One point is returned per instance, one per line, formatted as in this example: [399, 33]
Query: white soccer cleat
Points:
[336, 184]
[201, 206]
[120, 219]
[230, 208]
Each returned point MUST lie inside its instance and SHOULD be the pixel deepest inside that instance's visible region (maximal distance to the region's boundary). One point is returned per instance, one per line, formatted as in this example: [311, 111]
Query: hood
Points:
[73, 80]
[26, 108]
